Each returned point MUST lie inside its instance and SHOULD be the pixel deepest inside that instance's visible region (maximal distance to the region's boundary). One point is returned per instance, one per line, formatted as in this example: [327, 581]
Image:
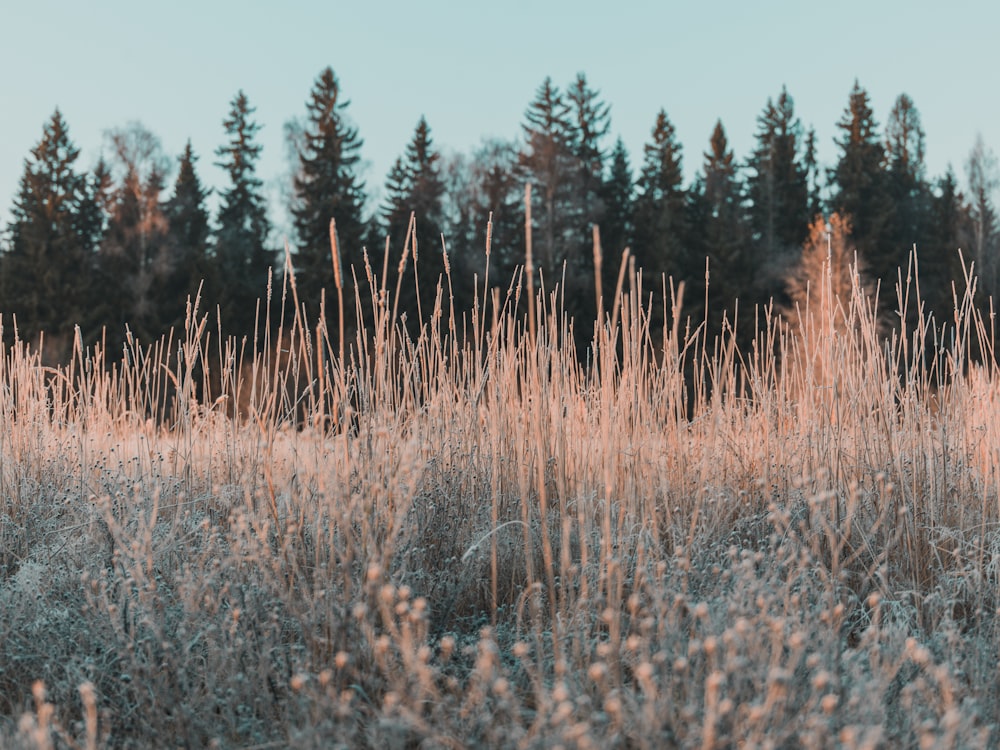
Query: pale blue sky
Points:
[472, 68]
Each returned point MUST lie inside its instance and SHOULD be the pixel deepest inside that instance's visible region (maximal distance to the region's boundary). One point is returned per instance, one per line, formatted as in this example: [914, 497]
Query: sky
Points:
[471, 68]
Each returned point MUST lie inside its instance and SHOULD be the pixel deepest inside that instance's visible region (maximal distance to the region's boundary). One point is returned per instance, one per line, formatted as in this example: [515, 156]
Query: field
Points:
[473, 539]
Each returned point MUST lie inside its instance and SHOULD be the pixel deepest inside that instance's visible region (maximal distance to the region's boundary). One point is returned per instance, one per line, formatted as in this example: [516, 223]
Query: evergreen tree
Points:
[721, 227]
[242, 257]
[778, 192]
[940, 261]
[44, 272]
[188, 235]
[809, 161]
[660, 222]
[415, 187]
[861, 189]
[548, 162]
[618, 225]
[911, 198]
[591, 121]
[327, 187]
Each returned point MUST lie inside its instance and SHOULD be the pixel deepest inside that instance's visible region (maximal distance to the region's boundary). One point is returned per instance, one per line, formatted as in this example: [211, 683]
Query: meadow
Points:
[472, 538]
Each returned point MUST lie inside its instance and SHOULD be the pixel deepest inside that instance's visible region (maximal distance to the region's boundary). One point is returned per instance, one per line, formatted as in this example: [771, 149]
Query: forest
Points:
[117, 250]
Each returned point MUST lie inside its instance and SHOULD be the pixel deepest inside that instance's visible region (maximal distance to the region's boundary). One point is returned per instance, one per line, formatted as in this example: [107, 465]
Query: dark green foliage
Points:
[719, 229]
[778, 192]
[56, 223]
[188, 232]
[243, 259]
[660, 209]
[416, 188]
[618, 222]
[549, 164]
[861, 189]
[591, 121]
[326, 187]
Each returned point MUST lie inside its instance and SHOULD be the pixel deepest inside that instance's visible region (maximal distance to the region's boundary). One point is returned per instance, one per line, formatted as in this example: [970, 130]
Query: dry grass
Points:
[471, 540]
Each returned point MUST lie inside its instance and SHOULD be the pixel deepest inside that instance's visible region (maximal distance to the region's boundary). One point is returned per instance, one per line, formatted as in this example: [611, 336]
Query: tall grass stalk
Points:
[450, 538]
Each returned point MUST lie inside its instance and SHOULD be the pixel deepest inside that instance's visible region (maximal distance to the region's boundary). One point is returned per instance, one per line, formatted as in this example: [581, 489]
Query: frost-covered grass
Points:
[471, 540]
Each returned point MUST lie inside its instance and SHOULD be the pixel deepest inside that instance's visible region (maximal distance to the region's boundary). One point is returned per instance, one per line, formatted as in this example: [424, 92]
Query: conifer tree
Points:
[660, 221]
[45, 270]
[861, 188]
[188, 234]
[811, 164]
[242, 256]
[940, 261]
[548, 162]
[416, 187]
[618, 224]
[327, 187]
[778, 190]
[721, 228]
[911, 198]
[591, 121]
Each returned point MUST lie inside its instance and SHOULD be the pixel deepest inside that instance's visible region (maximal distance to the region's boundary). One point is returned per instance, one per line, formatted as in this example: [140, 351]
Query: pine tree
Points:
[327, 187]
[660, 222]
[618, 225]
[548, 162]
[242, 256]
[722, 228]
[591, 123]
[45, 270]
[940, 261]
[861, 188]
[415, 187]
[911, 198]
[811, 164]
[188, 234]
[778, 191]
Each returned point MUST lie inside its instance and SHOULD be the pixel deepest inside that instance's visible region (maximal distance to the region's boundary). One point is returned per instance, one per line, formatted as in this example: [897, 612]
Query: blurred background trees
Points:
[127, 241]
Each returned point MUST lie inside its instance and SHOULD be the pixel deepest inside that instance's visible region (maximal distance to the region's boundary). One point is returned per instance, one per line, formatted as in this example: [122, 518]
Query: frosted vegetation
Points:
[473, 539]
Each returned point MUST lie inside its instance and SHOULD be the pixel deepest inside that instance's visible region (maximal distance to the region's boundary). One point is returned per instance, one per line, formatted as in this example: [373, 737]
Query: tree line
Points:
[118, 249]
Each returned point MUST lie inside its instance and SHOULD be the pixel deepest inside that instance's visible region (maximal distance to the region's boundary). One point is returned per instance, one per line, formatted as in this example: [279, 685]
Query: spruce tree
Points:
[415, 187]
[548, 162]
[911, 198]
[326, 187]
[723, 228]
[188, 234]
[618, 225]
[242, 256]
[940, 261]
[45, 270]
[861, 189]
[660, 212]
[591, 123]
[778, 191]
